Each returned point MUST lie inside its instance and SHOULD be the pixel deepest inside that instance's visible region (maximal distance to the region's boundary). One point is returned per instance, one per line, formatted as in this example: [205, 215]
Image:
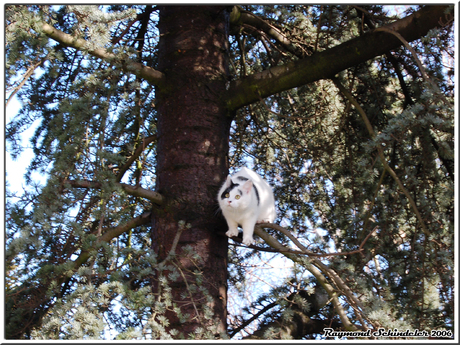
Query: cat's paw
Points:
[231, 233]
[263, 221]
[248, 240]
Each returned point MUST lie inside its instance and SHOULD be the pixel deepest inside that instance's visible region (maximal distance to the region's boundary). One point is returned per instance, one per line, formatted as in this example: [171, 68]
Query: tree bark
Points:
[193, 141]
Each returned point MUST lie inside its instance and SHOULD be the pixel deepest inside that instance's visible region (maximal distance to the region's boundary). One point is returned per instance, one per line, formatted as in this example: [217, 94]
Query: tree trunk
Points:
[193, 136]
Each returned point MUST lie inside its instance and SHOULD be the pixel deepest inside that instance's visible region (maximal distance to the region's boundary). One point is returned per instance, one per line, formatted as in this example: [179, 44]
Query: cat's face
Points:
[235, 195]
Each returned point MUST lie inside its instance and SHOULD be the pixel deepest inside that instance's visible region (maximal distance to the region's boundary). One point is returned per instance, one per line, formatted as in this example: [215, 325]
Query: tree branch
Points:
[111, 234]
[155, 197]
[139, 149]
[301, 322]
[240, 16]
[387, 167]
[151, 75]
[120, 229]
[26, 76]
[414, 55]
[300, 326]
[325, 64]
[321, 271]
[310, 265]
[322, 266]
[252, 318]
[303, 250]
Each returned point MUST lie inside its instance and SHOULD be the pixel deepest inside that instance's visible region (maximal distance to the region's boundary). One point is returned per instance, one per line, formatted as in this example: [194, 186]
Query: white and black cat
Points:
[246, 199]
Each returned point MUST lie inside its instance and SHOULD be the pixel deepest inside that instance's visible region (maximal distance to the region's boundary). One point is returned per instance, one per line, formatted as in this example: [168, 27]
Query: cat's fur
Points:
[246, 199]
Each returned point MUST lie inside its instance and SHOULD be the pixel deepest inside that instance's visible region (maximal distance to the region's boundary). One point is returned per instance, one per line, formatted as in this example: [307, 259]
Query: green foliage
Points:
[317, 153]
[91, 122]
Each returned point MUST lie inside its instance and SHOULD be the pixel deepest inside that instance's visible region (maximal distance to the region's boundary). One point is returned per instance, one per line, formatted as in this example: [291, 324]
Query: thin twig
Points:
[414, 55]
[27, 75]
[172, 251]
[139, 149]
[254, 317]
[407, 45]
[189, 291]
[367, 237]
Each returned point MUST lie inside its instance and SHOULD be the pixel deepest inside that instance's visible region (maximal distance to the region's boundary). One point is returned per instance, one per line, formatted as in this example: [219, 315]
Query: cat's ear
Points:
[247, 186]
[229, 182]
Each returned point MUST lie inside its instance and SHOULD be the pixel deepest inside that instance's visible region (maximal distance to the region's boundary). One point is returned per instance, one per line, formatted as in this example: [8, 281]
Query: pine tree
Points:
[141, 111]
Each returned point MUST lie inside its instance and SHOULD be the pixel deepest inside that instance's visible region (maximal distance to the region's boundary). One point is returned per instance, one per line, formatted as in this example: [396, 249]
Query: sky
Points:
[16, 169]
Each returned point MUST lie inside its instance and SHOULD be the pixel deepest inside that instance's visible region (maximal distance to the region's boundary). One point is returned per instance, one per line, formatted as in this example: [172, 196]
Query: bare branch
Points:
[407, 45]
[155, 197]
[303, 250]
[311, 265]
[140, 148]
[320, 271]
[26, 76]
[254, 317]
[417, 60]
[111, 234]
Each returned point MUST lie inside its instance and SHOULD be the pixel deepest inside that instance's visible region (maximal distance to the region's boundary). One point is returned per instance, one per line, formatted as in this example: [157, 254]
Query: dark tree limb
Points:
[239, 17]
[252, 318]
[300, 326]
[387, 167]
[303, 322]
[326, 64]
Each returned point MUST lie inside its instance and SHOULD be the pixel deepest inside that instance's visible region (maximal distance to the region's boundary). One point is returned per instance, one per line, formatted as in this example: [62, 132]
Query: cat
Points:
[246, 199]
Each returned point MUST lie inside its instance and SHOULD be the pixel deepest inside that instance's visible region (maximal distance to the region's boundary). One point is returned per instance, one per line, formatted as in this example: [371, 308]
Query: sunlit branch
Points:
[151, 75]
[26, 76]
[303, 250]
[310, 265]
[317, 264]
[414, 55]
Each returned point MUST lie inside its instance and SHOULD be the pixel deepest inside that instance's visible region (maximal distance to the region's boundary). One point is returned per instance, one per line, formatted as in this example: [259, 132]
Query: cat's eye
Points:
[227, 195]
[237, 197]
